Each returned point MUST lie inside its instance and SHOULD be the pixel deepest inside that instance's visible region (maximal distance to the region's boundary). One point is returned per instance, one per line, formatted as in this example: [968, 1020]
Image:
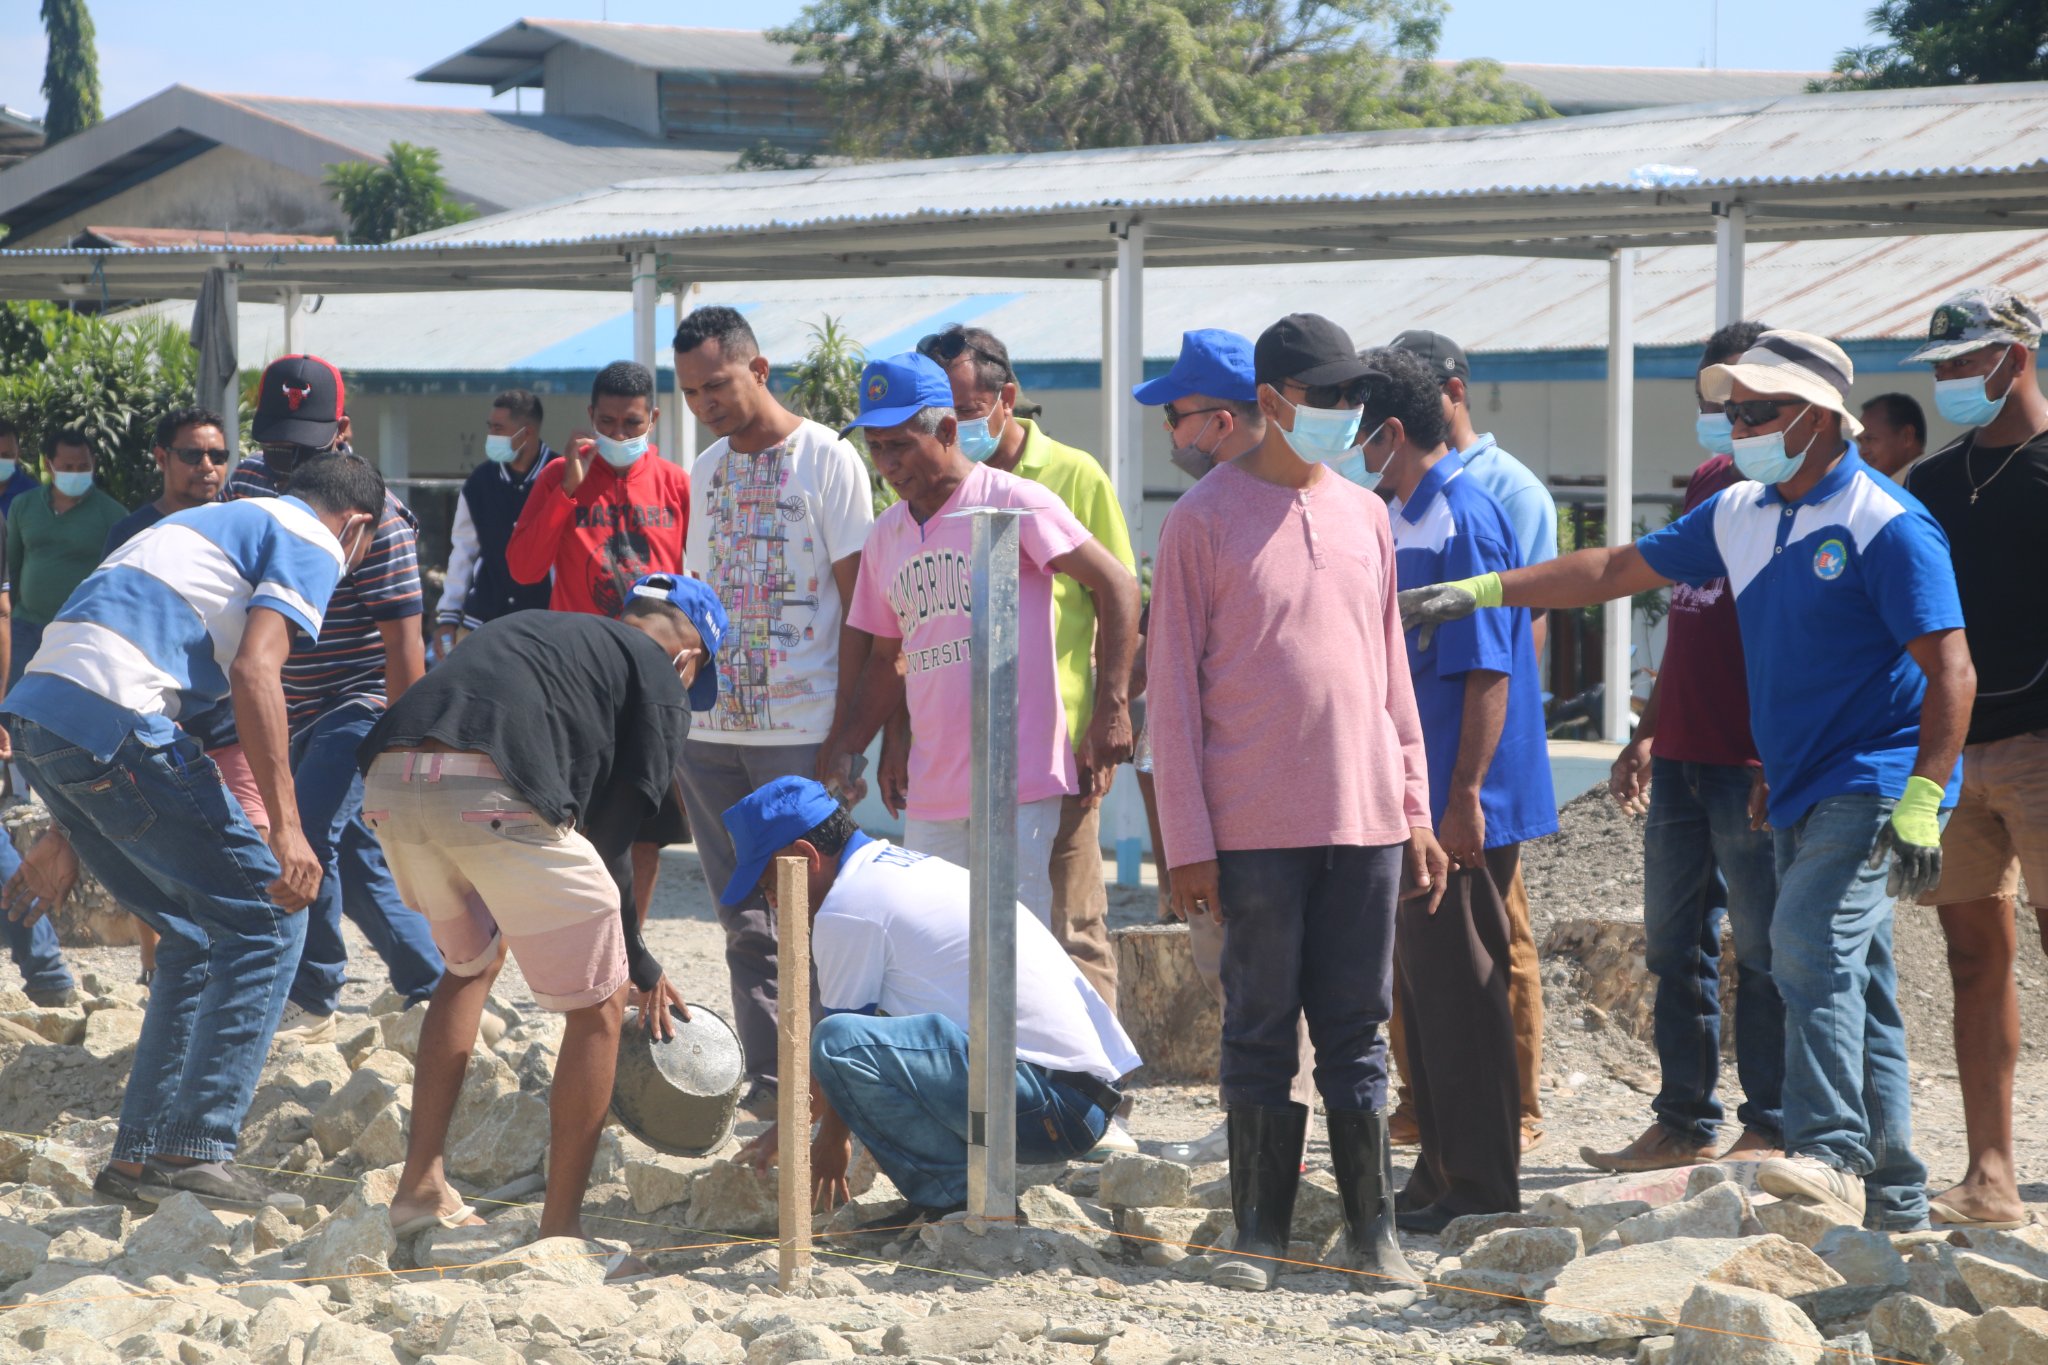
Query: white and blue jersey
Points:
[149, 635]
[1828, 591]
[1452, 528]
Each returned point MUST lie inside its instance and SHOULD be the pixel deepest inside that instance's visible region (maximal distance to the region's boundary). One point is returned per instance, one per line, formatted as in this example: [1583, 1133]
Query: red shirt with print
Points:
[1703, 693]
[616, 528]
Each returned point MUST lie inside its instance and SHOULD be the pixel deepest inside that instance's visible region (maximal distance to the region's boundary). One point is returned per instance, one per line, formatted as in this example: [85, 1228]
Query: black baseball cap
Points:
[1445, 357]
[1308, 349]
[300, 399]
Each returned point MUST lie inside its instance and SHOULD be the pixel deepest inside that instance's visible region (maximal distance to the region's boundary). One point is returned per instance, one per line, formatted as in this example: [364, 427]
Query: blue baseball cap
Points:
[1212, 362]
[895, 390]
[694, 599]
[772, 817]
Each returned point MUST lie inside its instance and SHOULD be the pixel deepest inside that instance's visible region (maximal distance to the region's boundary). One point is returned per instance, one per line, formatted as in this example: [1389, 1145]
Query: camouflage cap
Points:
[1990, 315]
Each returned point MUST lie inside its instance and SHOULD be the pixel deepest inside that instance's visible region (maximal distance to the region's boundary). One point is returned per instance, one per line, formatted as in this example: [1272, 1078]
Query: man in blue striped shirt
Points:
[198, 610]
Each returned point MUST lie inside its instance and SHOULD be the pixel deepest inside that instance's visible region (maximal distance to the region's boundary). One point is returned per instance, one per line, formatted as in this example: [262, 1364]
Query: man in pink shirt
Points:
[913, 595]
[1293, 786]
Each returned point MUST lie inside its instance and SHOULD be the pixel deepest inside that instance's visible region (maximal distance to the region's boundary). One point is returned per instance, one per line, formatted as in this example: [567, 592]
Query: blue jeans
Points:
[32, 946]
[1701, 859]
[356, 881]
[1847, 1099]
[24, 639]
[1308, 932]
[901, 1086]
[160, 831]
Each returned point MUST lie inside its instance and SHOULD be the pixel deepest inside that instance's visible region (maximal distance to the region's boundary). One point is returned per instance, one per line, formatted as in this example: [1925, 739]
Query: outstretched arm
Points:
[1576, 580]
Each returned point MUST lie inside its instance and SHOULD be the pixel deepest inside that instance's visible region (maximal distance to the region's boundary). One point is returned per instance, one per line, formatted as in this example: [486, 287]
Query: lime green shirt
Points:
[1080, 482]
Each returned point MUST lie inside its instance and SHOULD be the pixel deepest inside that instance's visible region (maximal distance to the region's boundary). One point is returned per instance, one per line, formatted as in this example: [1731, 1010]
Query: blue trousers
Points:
[357, 883]
[32, 946]
[901, 1086]
[1701, 860]
[162, 834]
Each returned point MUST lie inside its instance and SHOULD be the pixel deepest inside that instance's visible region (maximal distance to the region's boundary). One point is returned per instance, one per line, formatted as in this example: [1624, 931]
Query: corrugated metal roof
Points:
[1854, 290]
[513, 54]
[1605, 89]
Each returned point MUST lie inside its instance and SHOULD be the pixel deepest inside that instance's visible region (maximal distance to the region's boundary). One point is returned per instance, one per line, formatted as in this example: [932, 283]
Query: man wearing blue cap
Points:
[506, 789]
[889, 936]
[913, 598]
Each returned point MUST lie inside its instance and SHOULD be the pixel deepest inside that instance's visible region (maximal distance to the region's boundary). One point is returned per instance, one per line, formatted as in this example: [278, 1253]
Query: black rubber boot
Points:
[1363, 1160]
[1265, 1173]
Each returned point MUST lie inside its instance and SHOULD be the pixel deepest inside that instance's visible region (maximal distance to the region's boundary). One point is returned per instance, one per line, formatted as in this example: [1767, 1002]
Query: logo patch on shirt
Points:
[1830, 559]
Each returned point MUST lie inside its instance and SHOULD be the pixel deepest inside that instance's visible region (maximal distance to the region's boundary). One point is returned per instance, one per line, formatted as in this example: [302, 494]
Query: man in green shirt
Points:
[985, 401]
[55, 537]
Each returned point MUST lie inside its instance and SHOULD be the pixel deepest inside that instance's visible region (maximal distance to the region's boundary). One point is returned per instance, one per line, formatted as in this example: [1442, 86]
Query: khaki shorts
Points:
[2000, 826]
[481, 864]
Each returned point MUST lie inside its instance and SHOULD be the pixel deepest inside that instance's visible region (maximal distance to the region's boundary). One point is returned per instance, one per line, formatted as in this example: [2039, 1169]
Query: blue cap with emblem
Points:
[1212, 362]
[894, 390]
[769, 818]
[693, 598]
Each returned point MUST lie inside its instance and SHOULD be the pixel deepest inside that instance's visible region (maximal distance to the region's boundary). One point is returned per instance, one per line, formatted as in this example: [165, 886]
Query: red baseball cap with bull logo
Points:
[301, 400]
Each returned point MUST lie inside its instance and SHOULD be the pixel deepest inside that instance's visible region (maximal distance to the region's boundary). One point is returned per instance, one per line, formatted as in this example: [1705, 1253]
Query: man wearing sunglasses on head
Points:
[1860, 687]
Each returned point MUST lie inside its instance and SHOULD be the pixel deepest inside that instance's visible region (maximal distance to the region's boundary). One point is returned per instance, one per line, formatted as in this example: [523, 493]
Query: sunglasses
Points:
[946, 347]
[1756, 412]
[194, 455]
[1174, 417]
[1328, 395]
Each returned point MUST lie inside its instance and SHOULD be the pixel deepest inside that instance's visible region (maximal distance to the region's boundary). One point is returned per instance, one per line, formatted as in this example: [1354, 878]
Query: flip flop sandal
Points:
[1945, 1215]
[461, 1218]
[626, 1268]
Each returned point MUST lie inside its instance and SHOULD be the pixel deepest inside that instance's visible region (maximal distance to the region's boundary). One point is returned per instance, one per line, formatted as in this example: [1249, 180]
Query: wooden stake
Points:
[793, 1065]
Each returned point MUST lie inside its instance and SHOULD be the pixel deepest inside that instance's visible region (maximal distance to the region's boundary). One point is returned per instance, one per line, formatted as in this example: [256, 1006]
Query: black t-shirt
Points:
[2000, 545]
[585, 718]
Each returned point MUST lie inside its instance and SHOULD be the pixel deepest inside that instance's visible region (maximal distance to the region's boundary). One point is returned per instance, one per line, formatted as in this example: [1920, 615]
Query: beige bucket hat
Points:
[1790, 365]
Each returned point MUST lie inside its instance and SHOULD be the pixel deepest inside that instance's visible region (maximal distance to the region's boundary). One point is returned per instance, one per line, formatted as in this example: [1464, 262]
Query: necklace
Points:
[1970, 454]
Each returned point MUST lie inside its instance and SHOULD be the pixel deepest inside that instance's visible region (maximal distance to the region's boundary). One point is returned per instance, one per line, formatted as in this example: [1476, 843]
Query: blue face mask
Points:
[1765, 459]
[1967, 401]
[977, 442]
[622, 454]
[72, 485]
[1354, 467]
[1715, 433]
[1322, 435]
[500, 450]
[7, 468]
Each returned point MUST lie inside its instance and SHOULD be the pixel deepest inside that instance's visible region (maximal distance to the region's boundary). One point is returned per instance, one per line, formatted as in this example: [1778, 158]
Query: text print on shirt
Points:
[637, 517]
[930, 585]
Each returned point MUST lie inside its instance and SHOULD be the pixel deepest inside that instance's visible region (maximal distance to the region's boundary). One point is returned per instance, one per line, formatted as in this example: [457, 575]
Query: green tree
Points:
[825, 387]
[404, 196]
[1947, 42]
[71, 70]
[961, 77]
[110, 379]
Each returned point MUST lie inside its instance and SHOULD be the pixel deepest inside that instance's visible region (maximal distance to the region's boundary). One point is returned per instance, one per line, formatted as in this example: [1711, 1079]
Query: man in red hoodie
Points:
[604, 516]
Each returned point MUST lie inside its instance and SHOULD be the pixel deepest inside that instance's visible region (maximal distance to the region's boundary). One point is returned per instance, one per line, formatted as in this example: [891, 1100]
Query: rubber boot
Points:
[1360, 1152]
[1265, 1173]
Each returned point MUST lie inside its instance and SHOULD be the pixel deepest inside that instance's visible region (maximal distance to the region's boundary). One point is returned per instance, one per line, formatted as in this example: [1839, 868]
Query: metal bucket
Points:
[680, 1096]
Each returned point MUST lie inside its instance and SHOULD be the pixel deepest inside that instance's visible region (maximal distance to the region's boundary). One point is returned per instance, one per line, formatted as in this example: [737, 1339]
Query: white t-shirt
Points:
[765, 531]
[892, 935]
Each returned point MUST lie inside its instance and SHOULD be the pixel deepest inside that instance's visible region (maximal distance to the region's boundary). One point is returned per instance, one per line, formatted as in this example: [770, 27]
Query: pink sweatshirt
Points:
[1278, 698]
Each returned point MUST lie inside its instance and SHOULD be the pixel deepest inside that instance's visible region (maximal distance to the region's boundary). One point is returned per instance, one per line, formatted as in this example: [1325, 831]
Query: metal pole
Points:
[1621, 415]
[645, 284]
[1731, 226]
[1128, 469]
[1113, 381]
[682, 426]
[291, 301]
[231, 392]
[793, 1061]
[992, 873]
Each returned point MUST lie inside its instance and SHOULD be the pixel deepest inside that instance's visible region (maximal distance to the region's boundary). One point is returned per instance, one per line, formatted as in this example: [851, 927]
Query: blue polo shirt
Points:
[1828, 591]
[1531, 511]
[1453, 528]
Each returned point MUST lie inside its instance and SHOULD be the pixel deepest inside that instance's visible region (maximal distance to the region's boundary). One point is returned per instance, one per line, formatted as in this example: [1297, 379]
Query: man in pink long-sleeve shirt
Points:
[1293, 786]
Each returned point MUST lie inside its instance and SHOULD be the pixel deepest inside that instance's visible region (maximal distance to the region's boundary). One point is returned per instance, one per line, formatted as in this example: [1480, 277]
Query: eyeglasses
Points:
[193, 455]
[1174, 417]
[1350, 395]
[946, 347]
[1755, 412]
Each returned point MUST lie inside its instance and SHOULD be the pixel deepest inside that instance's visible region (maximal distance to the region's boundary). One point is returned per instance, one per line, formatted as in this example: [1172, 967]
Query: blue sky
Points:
[369, 49]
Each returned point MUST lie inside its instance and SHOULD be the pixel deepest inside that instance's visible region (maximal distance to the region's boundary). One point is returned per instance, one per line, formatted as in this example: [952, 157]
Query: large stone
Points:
[1526, 1251]
[1654, 1189]
[460, 1246]
[661, 1182]
[1638, 1291]
[344, 1343]
[383, 1141]
[1136, 1346]
[708, 1345]
[467, 1327]
[1488, 1291]
[1726, 1325]
[1860, 1256]
[1931, 1274]
[551, 1260]
[1144, 1182]
[182, 1234]
[728, 1197]
[1053, 1209]
[967, 1329]
[578, 1313]
[1162, 1237]
[485, 1079]
[22, 1250]
[99, 1306]
[1775, 1266]
[2025, 1247]
[402, 1031]
[1998, 1284]
[109, 1033]
[1796, 1222]
[52, 1025]
[510, 1140]
[2003, 1336]
[1716, 1211]
[1907, 1327]
[341, 1120]
[798, 1343]
[355, 1241]
[1463, 1231]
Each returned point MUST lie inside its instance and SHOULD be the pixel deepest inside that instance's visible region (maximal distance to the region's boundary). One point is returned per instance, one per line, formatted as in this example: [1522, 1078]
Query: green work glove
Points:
[1913, 836]
[1430, 607]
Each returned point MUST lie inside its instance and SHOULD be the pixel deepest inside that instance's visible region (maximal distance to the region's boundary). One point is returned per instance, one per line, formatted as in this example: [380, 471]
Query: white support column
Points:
[1112, 372]
[1619, 619]
[393, 454]
[1127, 467]
[231, 393]
[291, 303]
[682, 426]
[1731, 226]
[644, 296]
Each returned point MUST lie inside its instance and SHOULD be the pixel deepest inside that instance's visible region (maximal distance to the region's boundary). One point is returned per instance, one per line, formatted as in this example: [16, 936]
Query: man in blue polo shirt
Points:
[1489, 787]
[1860, 693]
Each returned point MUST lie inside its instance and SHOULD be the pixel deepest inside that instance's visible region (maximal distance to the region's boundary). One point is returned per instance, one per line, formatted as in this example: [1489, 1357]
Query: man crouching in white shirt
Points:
[889, 1056]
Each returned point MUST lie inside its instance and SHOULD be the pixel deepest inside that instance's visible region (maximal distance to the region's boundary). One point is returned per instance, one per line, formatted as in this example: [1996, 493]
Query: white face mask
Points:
[1354, 467]
[349, 563]
[622, 454]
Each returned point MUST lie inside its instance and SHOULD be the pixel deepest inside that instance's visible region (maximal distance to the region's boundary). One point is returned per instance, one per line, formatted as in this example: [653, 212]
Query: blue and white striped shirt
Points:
[150, 635]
